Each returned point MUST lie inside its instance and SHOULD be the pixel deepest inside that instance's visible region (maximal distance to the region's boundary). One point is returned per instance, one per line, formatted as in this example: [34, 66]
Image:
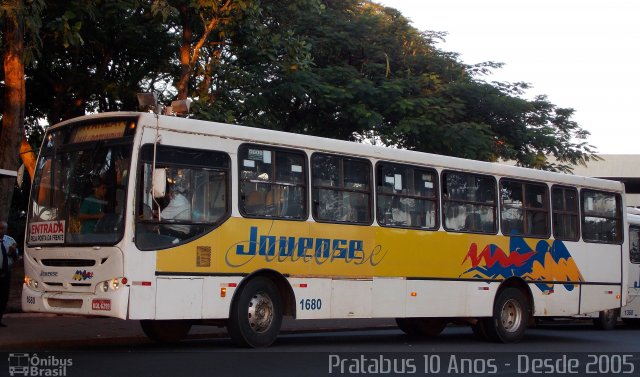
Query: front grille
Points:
[68, 262]
[65, 303]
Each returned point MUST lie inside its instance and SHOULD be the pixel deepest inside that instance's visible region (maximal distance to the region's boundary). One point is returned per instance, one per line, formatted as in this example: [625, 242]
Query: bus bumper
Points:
[108, 304]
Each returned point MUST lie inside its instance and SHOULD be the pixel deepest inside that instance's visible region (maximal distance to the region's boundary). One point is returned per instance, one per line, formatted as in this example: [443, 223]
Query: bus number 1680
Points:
[310, 304]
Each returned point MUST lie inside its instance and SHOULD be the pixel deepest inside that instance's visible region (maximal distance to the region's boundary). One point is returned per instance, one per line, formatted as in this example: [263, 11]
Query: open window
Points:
[191, 200]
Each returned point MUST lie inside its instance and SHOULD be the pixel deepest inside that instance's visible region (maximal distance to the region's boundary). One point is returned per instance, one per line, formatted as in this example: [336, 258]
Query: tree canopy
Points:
[346, 69]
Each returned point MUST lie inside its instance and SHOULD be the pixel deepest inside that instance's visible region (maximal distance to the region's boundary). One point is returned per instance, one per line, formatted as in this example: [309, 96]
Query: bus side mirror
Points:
[159, 183]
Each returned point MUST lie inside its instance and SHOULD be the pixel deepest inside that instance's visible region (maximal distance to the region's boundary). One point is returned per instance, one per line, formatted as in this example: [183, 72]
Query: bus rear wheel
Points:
[606, 320]
[510, 317]
[256, 314]
[165, 331]
[408, 326]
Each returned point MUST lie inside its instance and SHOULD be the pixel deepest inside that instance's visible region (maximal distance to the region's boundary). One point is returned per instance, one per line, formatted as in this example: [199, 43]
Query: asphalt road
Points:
[549, 350]
[557, 338]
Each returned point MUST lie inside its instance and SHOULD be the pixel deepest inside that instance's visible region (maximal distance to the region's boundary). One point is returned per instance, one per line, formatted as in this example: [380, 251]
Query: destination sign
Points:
[100, 131]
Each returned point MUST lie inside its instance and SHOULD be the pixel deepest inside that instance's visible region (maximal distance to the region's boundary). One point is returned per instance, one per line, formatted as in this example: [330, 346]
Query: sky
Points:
[582, 54]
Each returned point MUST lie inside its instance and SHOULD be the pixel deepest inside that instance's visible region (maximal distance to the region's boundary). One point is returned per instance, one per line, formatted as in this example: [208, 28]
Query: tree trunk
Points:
[185, 53]
[28, 157]
[14, 103]
[189, 55]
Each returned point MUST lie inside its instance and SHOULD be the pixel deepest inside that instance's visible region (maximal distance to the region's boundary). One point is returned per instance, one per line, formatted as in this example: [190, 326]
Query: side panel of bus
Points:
[632, 309]
[359, 271]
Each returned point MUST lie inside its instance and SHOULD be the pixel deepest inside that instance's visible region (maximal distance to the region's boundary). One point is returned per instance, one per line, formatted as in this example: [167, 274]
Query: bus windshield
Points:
[79, 191]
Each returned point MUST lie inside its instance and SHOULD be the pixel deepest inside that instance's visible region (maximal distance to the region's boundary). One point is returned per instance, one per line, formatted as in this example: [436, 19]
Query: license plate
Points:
[101, 304]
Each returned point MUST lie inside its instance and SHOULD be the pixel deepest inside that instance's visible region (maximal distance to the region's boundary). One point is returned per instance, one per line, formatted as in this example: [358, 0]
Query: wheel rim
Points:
[511, 315]
[261, 312]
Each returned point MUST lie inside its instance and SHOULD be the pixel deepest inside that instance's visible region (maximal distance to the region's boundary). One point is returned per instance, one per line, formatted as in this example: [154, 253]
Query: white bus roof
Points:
[299, 141]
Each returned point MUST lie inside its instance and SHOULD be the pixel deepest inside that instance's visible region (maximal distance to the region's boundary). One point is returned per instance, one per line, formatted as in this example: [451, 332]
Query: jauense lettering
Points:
[306, 249]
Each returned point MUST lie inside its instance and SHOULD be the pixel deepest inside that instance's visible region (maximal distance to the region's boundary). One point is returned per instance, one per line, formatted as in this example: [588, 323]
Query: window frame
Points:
[273, 180]
[635, 228]
[435, 199]
[619, 217]
[565, 212]
[443, 201]
[546, 208]
[341, 188]
[180, 164]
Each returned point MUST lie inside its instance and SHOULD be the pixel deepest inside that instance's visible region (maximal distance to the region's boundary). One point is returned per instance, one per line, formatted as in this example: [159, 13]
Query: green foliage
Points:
[97, 57]
[67, 29]
[29, 14]
[371, 75]
[347, 69]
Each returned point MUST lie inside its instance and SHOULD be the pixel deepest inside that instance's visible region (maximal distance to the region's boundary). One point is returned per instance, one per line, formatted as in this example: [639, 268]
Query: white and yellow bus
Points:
[278, 224]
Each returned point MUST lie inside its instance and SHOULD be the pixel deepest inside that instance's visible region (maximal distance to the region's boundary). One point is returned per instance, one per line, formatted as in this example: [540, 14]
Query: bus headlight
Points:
[113, 284]
[31, 283]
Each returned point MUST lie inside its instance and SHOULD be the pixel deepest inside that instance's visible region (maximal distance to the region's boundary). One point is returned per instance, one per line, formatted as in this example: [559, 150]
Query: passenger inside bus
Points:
[92, 207]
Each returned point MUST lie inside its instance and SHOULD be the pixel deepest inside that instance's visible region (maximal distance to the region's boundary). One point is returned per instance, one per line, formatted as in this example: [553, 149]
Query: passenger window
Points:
[565, 213]
[341, 189]
[469, 202]
[634, 244]
[194, 200]
[524, 208]
[601, 217]
[273, 183]
[406, 196]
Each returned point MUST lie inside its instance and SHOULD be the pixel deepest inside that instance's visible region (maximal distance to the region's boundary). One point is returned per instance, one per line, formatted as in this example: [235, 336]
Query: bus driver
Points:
[179, 208]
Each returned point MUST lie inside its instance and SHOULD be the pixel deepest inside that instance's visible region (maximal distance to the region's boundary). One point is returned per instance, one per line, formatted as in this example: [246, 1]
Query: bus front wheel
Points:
[256, 314]
[510, 317]
[165, 331]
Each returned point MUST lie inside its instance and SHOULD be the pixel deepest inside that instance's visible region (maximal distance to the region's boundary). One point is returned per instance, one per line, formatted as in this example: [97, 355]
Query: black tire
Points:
[256, 314]
[606, 320]
[479, 329]
[408, 325]
[429, 327]
[510, 317]
[165, 331]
